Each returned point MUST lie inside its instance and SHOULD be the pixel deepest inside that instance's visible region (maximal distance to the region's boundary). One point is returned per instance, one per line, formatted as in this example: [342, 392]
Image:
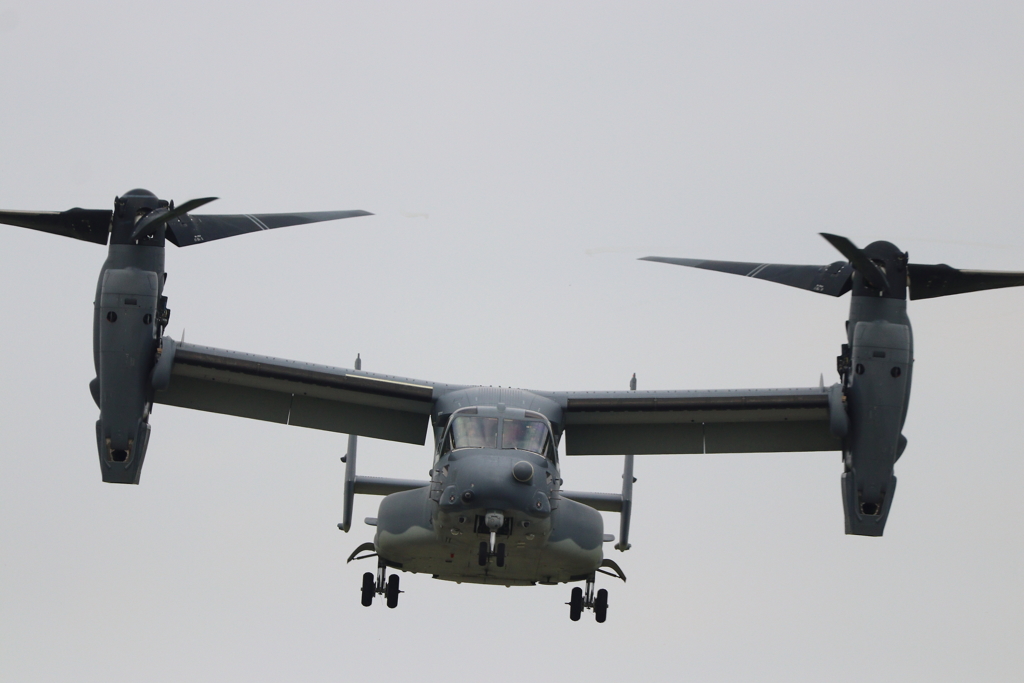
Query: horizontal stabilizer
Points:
[606, 502]
[383, 486]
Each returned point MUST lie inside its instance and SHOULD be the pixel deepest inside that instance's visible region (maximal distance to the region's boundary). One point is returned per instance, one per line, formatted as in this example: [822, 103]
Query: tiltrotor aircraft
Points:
[494, 510]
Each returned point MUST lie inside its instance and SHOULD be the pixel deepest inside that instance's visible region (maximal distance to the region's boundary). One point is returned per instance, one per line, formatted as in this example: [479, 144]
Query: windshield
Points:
[473, 432]
[525, 435]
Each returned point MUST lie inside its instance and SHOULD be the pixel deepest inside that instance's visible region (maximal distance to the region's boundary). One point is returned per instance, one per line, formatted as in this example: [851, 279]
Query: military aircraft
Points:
[494, 510]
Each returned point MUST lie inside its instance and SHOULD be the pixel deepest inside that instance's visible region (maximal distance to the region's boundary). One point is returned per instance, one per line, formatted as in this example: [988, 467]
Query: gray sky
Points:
[549, 144]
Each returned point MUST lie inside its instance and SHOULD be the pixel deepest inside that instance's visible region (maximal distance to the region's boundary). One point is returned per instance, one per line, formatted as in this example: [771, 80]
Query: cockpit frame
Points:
[502, 416]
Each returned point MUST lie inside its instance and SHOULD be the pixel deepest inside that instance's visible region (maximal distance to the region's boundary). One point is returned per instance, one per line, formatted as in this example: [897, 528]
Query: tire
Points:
[482, 559]
[369, 588]
[601, 606]
[576, 604]
[500, 559]
[392, 592]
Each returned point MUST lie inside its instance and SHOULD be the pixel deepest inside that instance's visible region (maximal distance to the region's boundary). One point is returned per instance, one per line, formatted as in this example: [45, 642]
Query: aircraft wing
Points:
[398, 409]
[296, 393]
[726, 421]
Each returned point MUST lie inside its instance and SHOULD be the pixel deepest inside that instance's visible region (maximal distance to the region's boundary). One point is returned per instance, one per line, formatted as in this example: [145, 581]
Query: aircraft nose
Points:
[484, 481]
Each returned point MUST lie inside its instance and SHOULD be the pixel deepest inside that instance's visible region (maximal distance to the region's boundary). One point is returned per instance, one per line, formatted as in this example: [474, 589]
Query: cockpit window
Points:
[473, 432]
[525, 435]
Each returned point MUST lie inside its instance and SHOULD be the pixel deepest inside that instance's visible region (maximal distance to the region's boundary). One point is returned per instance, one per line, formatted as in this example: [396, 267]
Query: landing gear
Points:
[485, 554]
[576, 604]
[392, 591]
[491, 524]
[369, 586]
[499, 555]
[581, 600]
[380, 585]
[600, 605]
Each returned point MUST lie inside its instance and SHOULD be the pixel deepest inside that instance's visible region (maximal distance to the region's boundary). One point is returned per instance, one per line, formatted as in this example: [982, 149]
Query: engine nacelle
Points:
[877, 392]
[126, 344]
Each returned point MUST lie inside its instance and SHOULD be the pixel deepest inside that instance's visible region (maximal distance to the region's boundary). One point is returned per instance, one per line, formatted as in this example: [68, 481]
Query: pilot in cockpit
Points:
[525, 435]
[474, 432]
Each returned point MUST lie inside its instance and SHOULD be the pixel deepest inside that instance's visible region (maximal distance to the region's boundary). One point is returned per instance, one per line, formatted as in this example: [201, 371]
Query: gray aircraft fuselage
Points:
[488, 489]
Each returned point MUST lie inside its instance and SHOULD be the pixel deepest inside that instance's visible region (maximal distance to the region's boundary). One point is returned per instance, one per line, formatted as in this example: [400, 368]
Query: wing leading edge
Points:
[680, 422]
[300, 394]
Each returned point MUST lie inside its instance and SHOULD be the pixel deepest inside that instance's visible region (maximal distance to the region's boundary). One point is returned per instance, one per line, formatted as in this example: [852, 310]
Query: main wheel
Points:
[392, 592]
[369, 588]
[601, 606]
[500, 559]
[483, 554]
[576, 604]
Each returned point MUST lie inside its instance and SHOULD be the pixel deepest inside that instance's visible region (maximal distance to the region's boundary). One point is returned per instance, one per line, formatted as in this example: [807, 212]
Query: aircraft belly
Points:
[418, 550]
[565, 547]
[414, 535]
[548, 563]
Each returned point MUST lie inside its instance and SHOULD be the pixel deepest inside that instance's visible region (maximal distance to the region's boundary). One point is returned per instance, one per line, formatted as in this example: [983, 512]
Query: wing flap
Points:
[228, 399]
[372, 421]
[756, 421]
[769, 437]
[635, 438]
[300, 394]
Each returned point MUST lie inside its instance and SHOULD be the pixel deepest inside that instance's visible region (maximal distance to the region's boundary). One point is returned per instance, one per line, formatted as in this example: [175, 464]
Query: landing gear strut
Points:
[493, 520]
[381, 584]
[581, 600]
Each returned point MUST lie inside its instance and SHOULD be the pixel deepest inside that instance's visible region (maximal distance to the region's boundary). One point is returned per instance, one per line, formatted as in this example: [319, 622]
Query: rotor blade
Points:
[192, 229]
[864, 265]
[155, 218]
[833, 279]
[927, 282]
[90, 225]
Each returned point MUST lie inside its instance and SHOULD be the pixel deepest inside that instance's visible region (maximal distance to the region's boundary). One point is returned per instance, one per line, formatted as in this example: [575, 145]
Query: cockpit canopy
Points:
[473, 431]
[469, 429]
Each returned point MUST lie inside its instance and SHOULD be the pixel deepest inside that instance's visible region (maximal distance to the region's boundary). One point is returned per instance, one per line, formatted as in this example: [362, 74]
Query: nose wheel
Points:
[581, 600]
[381, 584]
[491, 549]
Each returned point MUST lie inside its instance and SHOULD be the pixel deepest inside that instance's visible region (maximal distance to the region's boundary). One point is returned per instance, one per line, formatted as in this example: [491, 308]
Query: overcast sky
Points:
[519, 157]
